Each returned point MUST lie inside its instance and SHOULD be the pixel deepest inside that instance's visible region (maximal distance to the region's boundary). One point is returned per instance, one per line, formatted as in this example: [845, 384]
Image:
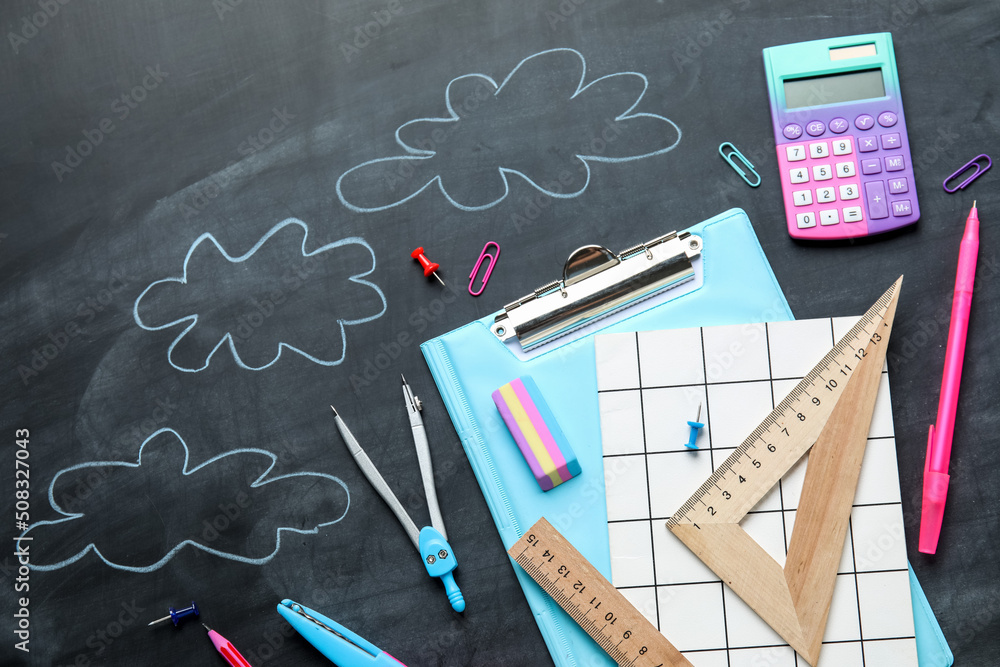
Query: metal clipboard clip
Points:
[596, 283]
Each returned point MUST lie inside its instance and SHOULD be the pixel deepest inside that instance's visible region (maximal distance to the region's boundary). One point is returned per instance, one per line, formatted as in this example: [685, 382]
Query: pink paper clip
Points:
[489, 267]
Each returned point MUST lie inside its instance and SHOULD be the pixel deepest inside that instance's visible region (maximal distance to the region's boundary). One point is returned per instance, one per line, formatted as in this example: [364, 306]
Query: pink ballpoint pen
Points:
[940, 434]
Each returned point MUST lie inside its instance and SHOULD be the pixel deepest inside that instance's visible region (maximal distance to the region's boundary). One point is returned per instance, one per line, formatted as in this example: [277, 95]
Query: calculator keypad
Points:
[856, 171]
[822, 178]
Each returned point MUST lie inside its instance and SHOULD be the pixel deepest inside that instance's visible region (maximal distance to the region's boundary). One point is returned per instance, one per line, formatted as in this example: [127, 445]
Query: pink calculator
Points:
[843, 153]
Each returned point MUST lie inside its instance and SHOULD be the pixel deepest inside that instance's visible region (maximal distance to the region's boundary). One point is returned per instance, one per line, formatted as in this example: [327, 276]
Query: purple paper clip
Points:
[974, 162]
[489, 267]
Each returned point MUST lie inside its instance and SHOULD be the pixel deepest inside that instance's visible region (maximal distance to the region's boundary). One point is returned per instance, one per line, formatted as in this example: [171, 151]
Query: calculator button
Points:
[802, 197]
[871, 166]
[805, 220]
[842, 147]
[825, 195]
[822, 172]
[849, 192]
[875, 194]
[887, 119]
[890, 141]
[819, 149]
[792, 131]
[894, 163]
[898, 186]
[845, 169]
[839, 125]
[864, 122]
[901, 208]
[795, 153]
[829, 217]
[867, 144]
[800, 175]
[853, 214]
[815, 128]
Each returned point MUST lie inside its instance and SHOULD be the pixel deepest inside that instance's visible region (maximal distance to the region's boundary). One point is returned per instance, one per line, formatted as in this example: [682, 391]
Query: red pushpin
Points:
[429, 266]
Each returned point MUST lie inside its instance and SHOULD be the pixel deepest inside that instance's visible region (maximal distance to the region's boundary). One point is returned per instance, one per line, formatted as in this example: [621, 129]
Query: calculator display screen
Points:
[834, 88]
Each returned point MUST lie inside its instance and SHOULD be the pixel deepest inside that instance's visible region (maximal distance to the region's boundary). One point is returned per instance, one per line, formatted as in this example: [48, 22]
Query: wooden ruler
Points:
[591, 600]
[828, 414]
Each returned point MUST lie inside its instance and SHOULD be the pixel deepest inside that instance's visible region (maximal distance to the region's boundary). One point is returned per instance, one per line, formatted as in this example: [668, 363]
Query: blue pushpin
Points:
[177, 614]
[695, 427]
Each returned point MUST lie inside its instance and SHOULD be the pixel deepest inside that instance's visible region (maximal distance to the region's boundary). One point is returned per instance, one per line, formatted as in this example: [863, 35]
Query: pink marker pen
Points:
[940, 434]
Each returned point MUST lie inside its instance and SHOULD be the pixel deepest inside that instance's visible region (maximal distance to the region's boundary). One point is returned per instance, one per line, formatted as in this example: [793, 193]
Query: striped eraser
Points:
[538, 436]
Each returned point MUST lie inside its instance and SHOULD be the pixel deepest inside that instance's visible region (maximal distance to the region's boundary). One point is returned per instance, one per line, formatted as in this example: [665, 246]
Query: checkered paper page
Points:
[650, 385]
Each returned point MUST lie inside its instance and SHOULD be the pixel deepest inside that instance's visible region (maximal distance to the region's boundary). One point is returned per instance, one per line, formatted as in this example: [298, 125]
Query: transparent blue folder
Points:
[734, 284]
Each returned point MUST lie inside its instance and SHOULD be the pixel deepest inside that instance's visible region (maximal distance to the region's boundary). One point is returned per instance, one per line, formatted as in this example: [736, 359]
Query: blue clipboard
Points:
[733, 285]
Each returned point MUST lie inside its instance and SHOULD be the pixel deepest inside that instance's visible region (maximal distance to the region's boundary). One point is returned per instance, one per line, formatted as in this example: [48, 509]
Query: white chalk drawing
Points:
[103, 488]
[291, 289]
[372, 170]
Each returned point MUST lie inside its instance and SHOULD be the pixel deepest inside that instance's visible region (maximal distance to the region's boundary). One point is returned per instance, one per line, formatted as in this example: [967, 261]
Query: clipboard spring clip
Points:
[596, 283]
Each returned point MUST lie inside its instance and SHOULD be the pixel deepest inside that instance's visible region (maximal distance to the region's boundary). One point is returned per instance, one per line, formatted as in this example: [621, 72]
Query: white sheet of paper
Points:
[650, 385]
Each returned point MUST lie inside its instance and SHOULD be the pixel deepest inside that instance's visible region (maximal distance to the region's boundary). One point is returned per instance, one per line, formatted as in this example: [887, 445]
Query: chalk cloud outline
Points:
[207, 236]
[260, 481]
[425, 154]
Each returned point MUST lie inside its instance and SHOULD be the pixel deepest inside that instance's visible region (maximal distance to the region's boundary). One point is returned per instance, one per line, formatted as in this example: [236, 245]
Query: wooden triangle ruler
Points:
[829, 412]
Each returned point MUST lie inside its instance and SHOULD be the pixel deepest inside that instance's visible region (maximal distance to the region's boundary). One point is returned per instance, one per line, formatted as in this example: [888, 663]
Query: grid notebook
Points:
[650, 385]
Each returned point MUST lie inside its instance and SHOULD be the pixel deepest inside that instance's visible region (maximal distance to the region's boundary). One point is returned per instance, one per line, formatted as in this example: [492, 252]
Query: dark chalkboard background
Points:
[79, 244]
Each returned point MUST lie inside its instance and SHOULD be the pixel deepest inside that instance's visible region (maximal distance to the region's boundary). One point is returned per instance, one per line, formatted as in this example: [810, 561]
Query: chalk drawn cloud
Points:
[541, 123]
[137, 516]
[277, 296]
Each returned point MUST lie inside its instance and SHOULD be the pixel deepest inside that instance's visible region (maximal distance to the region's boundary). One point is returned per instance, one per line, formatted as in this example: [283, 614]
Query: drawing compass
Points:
[431, 541]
